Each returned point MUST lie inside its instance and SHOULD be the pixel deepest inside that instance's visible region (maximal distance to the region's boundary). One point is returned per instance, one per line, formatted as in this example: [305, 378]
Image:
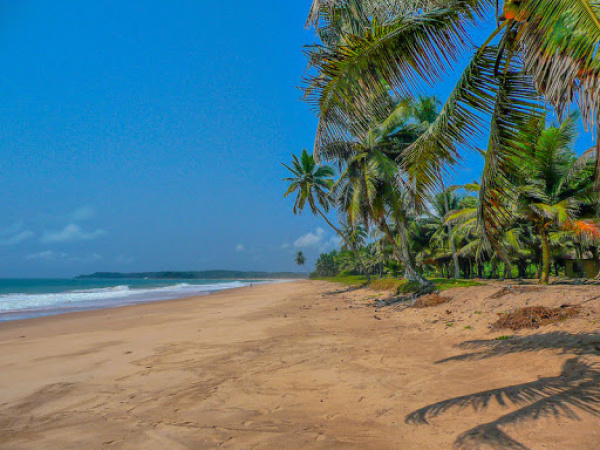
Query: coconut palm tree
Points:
[441, 205]
[367, 192]
[300, 259]
[535, 48]
[553, 186]
[312, 183]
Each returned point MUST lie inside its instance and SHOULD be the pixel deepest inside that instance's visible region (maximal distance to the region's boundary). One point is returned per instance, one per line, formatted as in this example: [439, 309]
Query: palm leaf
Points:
[397, 55]
[560, 48]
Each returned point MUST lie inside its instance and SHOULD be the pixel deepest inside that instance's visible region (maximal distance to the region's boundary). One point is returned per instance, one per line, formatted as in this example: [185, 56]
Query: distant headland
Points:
[203, 275]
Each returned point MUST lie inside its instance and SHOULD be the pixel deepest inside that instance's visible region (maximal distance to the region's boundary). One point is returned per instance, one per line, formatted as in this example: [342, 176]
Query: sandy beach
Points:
[304, 365]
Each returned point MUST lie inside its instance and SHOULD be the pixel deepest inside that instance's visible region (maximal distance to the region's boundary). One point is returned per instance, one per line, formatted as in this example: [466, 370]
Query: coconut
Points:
[511, 10]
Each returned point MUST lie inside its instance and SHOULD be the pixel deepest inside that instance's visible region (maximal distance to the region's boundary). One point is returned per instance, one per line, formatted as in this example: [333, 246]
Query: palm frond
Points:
[398, 55]
[458, 125]
[560, 48]
[516, 102]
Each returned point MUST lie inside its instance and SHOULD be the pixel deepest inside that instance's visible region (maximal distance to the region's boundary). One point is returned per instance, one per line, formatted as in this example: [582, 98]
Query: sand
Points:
[304, 365]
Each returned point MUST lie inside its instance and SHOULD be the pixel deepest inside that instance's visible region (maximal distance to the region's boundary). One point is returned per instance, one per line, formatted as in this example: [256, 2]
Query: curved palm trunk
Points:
[413, 275]
[350, 244]
[545, 272]
[406, 250]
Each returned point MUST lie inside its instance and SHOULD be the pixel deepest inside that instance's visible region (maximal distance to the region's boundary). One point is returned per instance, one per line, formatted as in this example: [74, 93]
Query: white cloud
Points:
[71, 233]
[17, 238]
[12, 229]
[311, 240]
[285, 246]
[240, 248]
[47, 255]
[83, 213]
[14, 234]
[317, 240]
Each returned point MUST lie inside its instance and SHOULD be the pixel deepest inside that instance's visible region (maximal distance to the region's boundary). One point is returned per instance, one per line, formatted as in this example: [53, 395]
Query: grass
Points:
[443, 284]
[503, 338]
[398, 285]
[351, 280]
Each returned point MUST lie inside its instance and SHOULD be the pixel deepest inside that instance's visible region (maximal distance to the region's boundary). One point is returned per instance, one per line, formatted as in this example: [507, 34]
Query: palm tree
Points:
[536, 48]
[300, 259]
[367, 191]
[547, 194]
[553, 186]
[441, 205]
[312, 183]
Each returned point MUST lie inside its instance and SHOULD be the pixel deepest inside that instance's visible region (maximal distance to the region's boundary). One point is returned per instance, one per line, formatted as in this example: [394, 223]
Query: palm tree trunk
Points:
[411, 272]
[350, 244]
[452, 243]
[545, 275]
[405, 248]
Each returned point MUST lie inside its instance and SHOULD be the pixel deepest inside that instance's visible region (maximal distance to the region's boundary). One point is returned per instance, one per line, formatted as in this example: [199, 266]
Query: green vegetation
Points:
[397, 285]
[503, 338]
[443, 284]
[382, 153]
[300, 259]
[350, 280]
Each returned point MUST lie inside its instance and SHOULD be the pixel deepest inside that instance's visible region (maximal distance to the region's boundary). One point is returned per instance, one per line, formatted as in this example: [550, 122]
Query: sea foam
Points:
[52, 303]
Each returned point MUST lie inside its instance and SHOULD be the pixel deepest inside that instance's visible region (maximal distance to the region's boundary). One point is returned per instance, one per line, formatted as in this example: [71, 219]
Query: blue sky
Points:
[148, 135]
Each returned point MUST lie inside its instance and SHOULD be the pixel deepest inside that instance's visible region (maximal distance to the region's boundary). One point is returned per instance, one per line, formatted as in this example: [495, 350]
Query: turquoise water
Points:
[27, 298]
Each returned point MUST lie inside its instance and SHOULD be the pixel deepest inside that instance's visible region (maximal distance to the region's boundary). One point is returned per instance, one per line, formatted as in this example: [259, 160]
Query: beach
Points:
[304, 364]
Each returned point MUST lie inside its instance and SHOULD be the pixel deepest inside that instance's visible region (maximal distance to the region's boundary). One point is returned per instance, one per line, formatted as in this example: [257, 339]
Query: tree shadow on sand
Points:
[578, 343]
[346, 289]
[576, 389]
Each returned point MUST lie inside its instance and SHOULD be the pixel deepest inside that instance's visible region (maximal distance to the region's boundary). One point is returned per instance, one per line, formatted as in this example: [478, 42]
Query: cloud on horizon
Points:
[46, 255]
[49, 255]
[17, 238]
[71, 233]
[14, 234]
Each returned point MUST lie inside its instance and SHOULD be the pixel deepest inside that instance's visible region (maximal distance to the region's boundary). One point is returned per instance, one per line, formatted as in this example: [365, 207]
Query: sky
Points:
[148, 136]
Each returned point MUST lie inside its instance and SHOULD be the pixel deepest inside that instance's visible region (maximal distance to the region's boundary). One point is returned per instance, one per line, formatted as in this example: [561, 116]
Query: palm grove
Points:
[382, 155]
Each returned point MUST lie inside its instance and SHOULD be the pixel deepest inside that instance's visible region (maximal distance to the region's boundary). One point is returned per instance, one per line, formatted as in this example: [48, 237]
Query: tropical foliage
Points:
[550, 199]
[536, 202]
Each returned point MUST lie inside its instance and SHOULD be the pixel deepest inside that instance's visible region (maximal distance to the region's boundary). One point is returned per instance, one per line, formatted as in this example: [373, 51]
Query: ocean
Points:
[28, 298]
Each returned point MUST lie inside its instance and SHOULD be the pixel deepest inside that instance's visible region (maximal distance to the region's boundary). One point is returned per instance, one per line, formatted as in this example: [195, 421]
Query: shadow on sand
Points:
[346, 289]
[577, 388]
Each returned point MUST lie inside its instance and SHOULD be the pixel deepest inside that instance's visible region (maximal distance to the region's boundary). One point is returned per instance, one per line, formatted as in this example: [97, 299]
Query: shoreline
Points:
[104, 310]
[302, 365]
[102, 304]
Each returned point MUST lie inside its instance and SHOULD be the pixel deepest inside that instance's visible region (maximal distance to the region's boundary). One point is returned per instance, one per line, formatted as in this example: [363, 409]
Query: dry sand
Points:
[303, 365]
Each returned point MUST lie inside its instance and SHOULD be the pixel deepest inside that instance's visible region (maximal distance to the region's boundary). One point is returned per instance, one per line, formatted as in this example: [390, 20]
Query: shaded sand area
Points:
[304, 365]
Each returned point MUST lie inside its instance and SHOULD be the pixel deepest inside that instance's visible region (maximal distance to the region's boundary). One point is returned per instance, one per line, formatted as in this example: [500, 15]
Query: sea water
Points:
[27, 298]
